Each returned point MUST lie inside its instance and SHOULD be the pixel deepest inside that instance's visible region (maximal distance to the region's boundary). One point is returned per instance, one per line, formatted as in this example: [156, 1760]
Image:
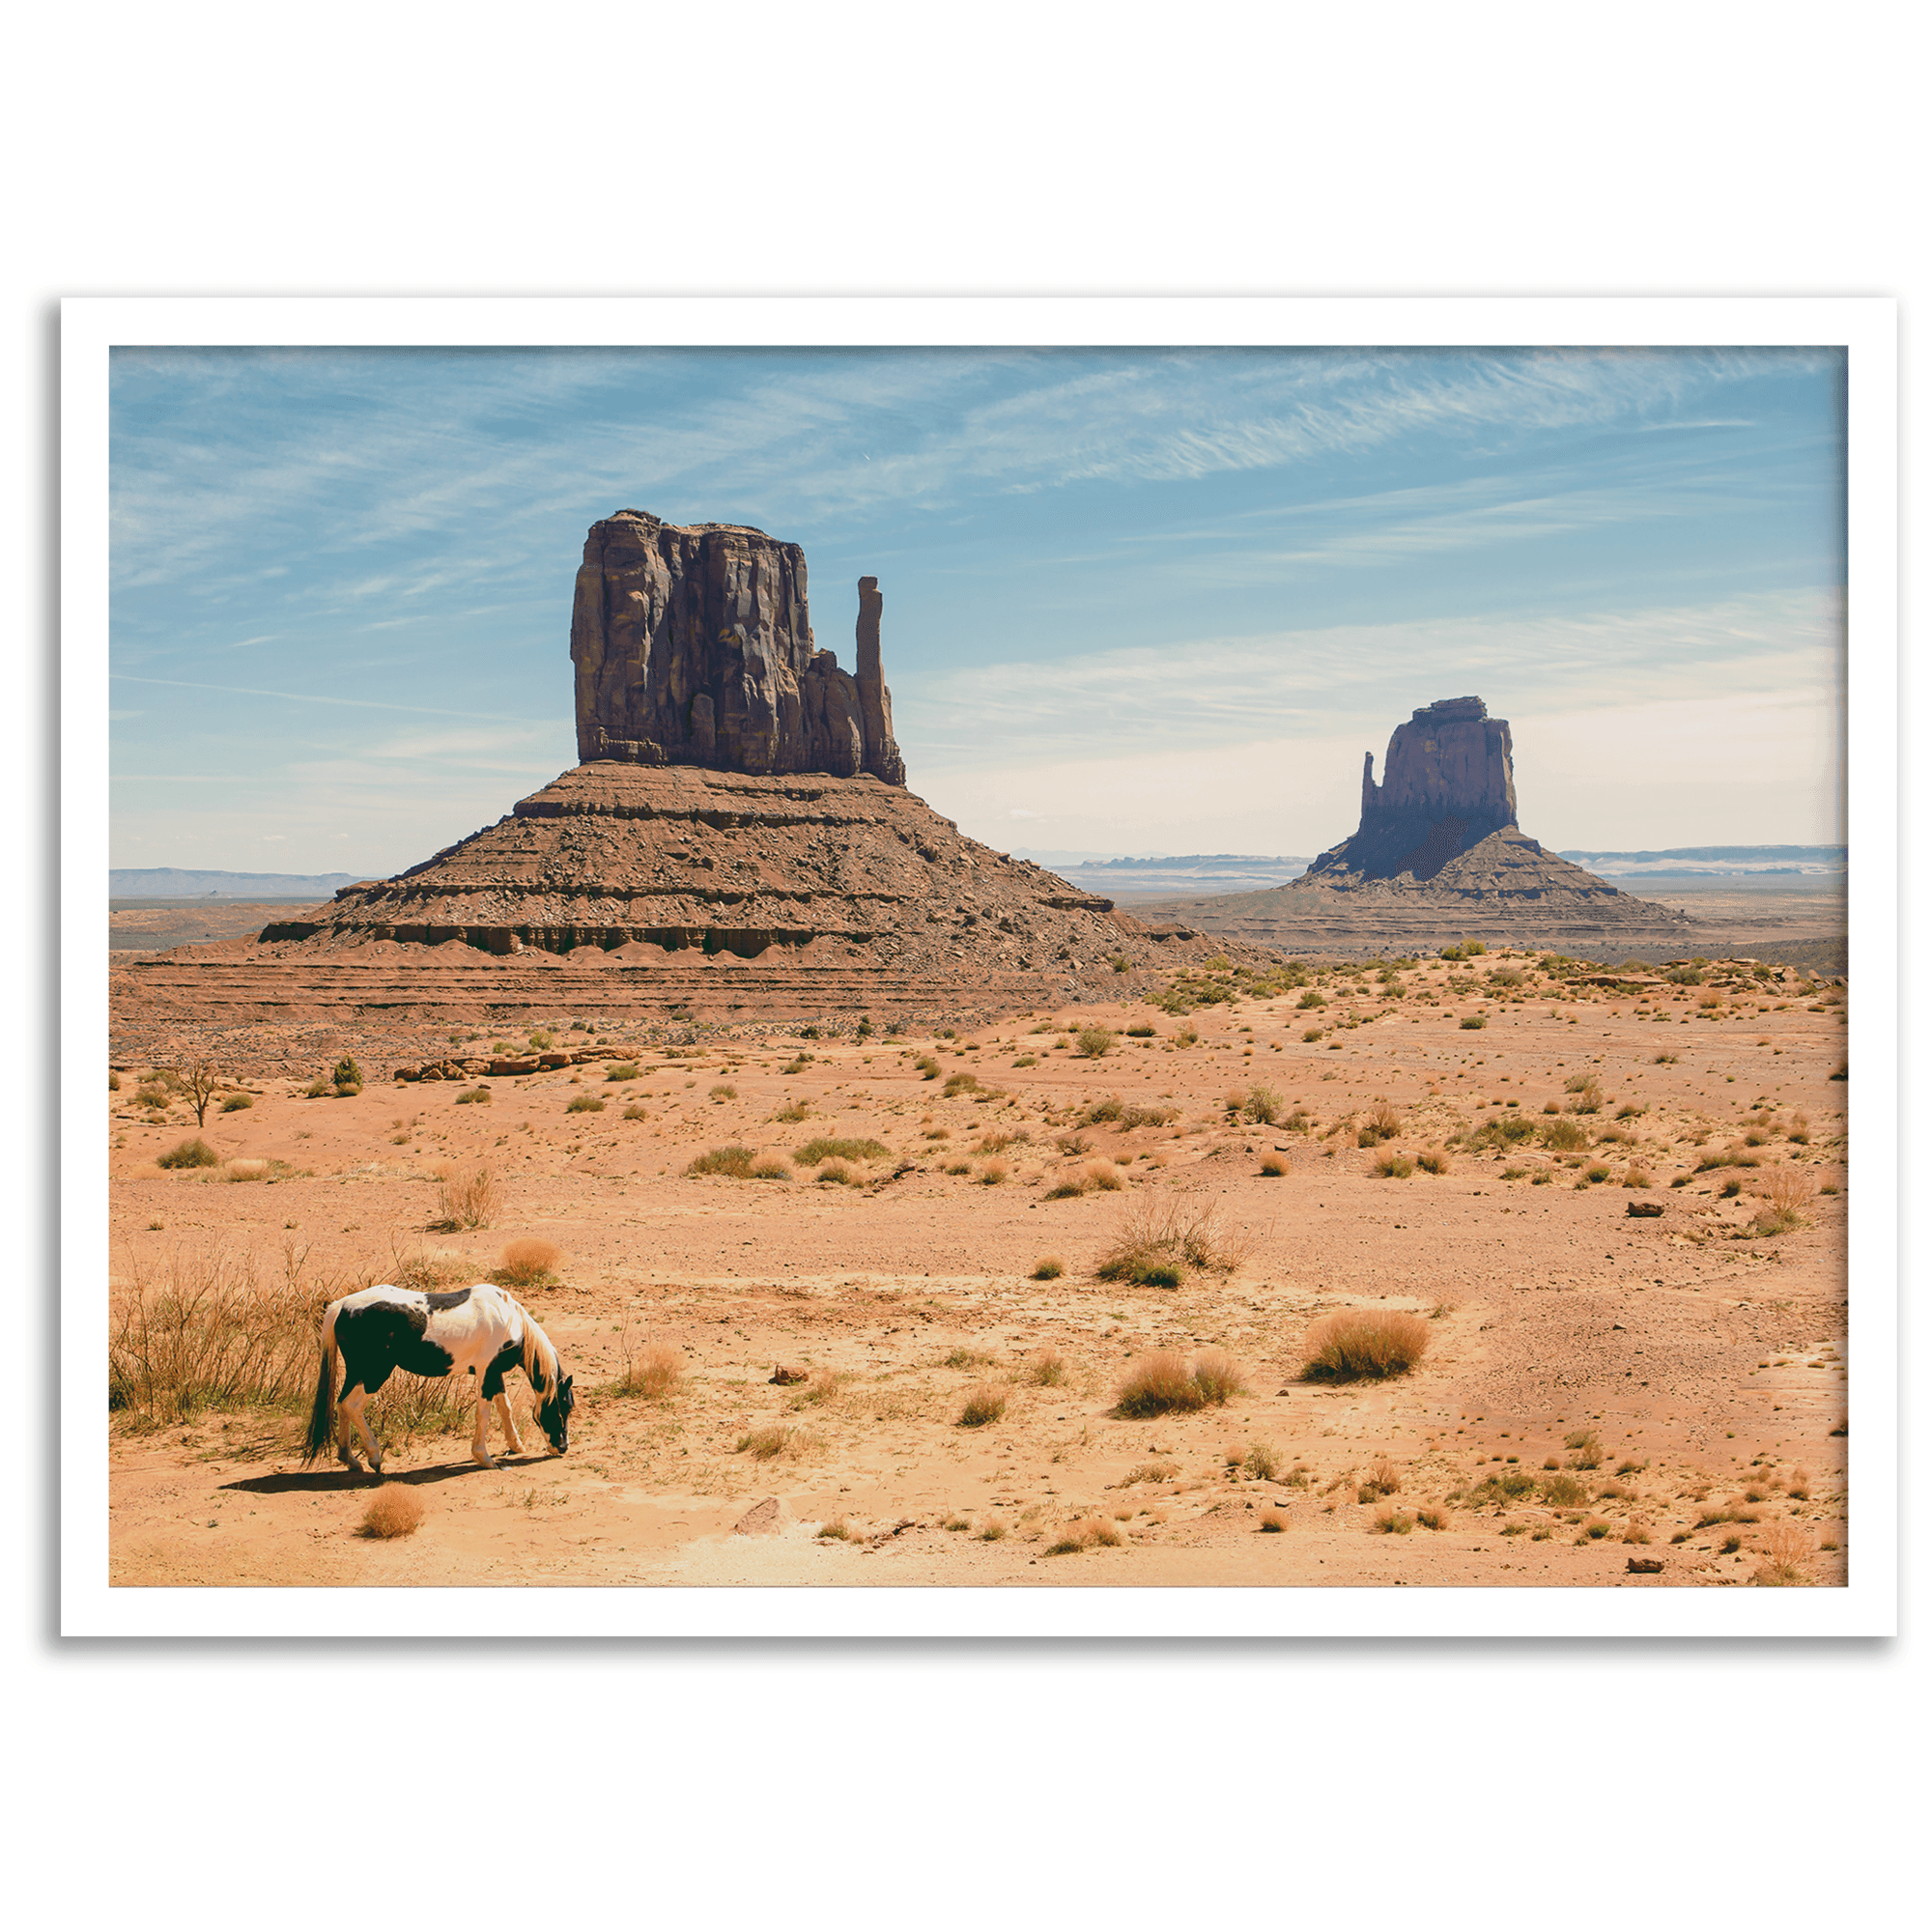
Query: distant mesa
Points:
[693, 646]
[1436, 858]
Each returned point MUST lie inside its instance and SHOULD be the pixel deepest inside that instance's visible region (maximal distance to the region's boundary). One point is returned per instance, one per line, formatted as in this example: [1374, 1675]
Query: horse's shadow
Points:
[320, 1482]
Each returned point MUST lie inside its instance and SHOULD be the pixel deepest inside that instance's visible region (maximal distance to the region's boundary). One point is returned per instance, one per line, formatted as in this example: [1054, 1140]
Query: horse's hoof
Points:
[484, 1461]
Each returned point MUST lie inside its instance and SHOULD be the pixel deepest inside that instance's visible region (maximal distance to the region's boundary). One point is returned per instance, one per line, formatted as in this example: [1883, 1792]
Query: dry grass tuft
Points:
[1162, 1384]
[1784, 1190]
[466, 1200]
[1046, 1369]
[1049, 1267]
[528, 1261]
[195, 1153]
[1160, 1239]
[986, 1402]
[1088, 1533]
[1393, 1522]
[653, 1370]
[1785, 1548]
[205, 1331]
[762, 1444]
[1363, 1342]
[394, 1510]
[733, 1163]
[1273, 1165]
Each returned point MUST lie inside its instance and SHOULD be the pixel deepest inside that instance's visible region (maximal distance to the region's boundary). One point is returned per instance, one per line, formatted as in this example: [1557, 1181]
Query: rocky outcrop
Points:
[1448, 781]
[1436, 859]
[693, 646]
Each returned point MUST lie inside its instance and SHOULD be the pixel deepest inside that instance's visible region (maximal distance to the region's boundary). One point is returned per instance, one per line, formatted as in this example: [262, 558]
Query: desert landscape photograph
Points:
[1045, 968]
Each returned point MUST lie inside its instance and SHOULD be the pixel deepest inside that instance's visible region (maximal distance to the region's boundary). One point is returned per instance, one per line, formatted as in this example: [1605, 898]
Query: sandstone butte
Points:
[1439, 859]
[737, 845]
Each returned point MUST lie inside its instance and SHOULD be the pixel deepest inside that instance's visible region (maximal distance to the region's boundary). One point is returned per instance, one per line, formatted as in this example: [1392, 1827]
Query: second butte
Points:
[737, 845]
[1438, 859]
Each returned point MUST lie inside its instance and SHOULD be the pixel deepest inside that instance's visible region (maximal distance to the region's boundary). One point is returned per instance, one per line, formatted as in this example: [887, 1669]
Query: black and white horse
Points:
[479, 1331]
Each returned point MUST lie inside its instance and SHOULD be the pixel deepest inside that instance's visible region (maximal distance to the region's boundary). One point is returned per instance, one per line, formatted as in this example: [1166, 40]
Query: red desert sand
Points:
[843, 1353]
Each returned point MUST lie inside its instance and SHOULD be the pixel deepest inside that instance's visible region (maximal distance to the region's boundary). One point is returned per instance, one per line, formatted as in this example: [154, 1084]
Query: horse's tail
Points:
[321, 1410]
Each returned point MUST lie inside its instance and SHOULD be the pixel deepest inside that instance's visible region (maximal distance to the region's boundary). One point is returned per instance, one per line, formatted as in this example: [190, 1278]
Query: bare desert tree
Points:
[198, 1081]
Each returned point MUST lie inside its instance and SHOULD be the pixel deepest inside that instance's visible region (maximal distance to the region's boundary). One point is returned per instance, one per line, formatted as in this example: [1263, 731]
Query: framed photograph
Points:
[979, 967]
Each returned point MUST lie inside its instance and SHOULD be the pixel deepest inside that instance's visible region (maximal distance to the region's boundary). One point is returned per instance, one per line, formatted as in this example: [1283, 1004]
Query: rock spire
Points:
[693, 646]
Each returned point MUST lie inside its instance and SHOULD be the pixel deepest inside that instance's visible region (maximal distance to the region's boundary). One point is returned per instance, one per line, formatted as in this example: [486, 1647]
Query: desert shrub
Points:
[1103, 1177]
[928, 1068]
[160, 1097]
[1636, 1176]
[1162, 1384]
[1389, 1165]
[394, 1510]
[762, 1444]
[195, 1153]
[203, 1330]
[961, 1083]
[1393, 1522]
[473, 1096]
[1261, 1104]
[527, 1261]
[837, 1174]
[1596, 1173]
[634, 1111]
[1274, 1165]
[542, 1041]
[1046, 1369]
[723, 1091]
[1140, 1033]
[623, 1070]
[770, 1167]
[1474, 1023]
[653, 1370]
[1110, 1107]
[1216, 1377]
[828, 1147]
[1433, 1516]
[1049, 1267]
[1433, 1160]
[347, 1076]
[1382, 1122]
[1564, 1136]
[1363, 1342]
[1588, 1447]
[1094, 1042]
[1595, 1530]
[1563, 1492]
[1088, 1533]
[1384, 1479]
[992, 1172]
[1159, 1239]
[837, 1530]
[466, 1200]
[1262, 1462]
[1512, 1486]
[1785, 1548]
[236, 1103]
[986, 1402]
[1784, 1190]
[585, 1103]
[1504, 1130]
[733, 1162]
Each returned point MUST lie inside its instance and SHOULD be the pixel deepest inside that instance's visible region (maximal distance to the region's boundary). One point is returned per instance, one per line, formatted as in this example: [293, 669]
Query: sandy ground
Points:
[1708, 1362]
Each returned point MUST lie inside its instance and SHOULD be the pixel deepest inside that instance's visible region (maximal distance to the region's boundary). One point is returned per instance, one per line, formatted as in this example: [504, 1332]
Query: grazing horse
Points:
[479, 1331]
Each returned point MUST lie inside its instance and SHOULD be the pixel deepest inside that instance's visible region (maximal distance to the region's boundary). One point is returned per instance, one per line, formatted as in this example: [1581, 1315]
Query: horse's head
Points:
[553, 1415]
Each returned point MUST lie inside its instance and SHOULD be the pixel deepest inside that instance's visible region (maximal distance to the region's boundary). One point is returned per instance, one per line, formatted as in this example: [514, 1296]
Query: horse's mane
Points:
[540, 1357]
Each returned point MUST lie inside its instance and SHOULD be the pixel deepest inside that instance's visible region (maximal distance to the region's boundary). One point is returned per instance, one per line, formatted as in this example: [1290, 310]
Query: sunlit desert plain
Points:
[1030, 1303]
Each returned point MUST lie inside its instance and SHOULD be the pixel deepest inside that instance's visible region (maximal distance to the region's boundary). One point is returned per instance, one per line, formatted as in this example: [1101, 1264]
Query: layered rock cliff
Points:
[693, 646]
[1447, 784]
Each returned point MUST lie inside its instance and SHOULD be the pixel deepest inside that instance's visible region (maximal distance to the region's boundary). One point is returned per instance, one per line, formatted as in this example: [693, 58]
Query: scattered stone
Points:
[784, 1378]
[1644, 1566]
[761, 1520]
[1643, 1211]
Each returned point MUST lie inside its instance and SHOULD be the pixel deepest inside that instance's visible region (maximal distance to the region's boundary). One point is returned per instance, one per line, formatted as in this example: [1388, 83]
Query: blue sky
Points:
[1135, 601]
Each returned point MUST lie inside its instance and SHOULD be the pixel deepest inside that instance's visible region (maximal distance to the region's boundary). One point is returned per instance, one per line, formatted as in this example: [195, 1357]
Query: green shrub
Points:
[1563, 1136]
[827, 1148]
[194, 1152]
[585, 1103]
[347, 1074]
[1162, 1384]
[1563, 1492]
[628, 1070]
[1474, 1023]
[474, 1097]
[985, 1403]
[236, 1103]
[1094, 1042]
[734, 1163]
